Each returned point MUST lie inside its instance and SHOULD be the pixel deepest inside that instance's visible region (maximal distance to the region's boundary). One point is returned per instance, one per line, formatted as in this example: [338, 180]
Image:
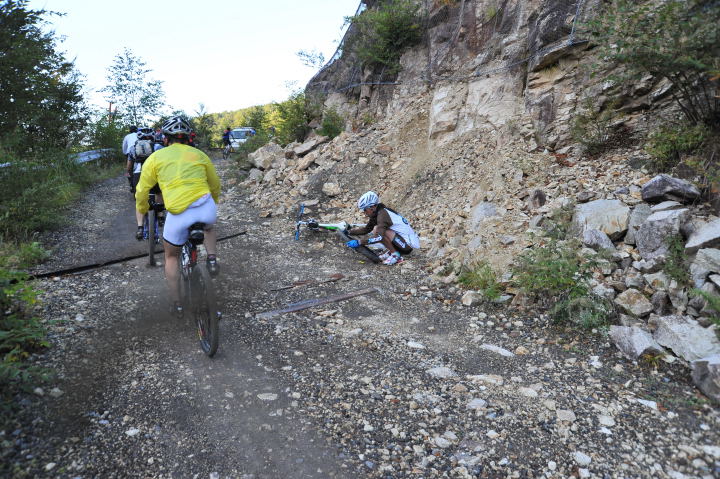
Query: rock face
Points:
[609, 216]
[665, 187]
[706, 376]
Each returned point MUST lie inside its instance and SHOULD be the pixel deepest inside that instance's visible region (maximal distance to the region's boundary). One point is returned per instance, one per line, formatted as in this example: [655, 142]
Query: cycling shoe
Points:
[213, 267]
[139, 233]
[177, 309]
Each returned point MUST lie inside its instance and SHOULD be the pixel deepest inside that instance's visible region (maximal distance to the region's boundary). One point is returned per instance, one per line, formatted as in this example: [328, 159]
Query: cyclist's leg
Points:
[172, 270]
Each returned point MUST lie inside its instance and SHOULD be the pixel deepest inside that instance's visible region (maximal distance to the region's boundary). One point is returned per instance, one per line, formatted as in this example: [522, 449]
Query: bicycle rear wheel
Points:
[204, 309]
[363, 250]
[152, 235]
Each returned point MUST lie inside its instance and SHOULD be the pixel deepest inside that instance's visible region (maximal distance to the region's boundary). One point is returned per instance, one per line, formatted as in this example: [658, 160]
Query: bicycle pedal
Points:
[219, 315]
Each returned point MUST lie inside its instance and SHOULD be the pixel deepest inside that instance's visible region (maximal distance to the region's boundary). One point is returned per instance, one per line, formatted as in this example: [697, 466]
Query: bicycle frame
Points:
[341, 229]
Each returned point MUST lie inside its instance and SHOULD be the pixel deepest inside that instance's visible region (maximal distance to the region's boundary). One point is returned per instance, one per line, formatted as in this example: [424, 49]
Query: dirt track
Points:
[404, 383]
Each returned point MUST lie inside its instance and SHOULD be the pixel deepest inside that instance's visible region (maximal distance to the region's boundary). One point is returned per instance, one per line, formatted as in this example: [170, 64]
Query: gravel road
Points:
[406, 382]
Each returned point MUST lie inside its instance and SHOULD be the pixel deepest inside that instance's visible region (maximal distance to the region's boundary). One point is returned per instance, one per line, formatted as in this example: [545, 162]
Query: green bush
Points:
[676, 263]
[592, 127]
[382, 34]
[36, 189]
[587, 312]
[667, 144]
[332, 124]
[481, 277]
[553, 270]
[294, 115]
[105, 133]
[557, 225]
[21, 334]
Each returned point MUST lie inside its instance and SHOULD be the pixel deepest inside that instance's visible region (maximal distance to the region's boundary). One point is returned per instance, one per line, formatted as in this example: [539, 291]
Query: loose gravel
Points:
[407, 382]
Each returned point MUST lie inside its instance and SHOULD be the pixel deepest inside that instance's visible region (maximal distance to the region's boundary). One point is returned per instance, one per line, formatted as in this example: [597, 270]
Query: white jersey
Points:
[129, 143]
[401, 226]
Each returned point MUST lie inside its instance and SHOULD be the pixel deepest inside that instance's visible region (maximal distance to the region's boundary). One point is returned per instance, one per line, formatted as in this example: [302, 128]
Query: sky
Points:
[226, 54]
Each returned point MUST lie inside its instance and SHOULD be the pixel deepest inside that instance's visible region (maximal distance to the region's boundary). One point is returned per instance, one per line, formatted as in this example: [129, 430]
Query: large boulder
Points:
[634, 302]
[309, 145]
[706, 376]
[685, 337]
[633, 342]
[651, 238]
[706, 261]
[609, 216]
[665, 187]
[638, 216]
[480, 213]
[331, 189]
[307, 160]
[264, 156]
[707, 236]
[597, 240]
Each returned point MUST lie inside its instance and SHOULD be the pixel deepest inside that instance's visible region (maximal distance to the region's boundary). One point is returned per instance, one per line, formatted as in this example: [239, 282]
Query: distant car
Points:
[238, 136]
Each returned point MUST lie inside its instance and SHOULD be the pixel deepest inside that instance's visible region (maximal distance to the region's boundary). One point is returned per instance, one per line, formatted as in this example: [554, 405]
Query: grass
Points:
[38, 189]
[481, 277]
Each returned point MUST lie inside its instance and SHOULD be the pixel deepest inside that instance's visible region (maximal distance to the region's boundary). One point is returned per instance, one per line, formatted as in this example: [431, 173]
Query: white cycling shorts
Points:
[202, 210]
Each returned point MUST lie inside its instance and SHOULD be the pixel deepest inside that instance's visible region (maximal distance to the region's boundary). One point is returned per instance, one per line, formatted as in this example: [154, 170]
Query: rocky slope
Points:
[479, 161]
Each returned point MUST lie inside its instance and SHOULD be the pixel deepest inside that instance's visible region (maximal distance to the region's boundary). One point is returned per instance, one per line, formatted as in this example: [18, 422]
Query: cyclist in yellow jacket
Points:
[191, 190]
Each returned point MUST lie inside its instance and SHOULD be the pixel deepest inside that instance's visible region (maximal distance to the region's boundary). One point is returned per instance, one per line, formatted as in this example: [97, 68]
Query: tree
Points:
[41, 100]
[312, 59]
[256, 117]
[678, 40]
[204, 124]
[136, 96]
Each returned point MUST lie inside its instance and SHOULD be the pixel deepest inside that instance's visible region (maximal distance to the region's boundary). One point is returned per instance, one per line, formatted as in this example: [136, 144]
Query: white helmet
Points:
[176, 125]
[146, 133]
[368, 199]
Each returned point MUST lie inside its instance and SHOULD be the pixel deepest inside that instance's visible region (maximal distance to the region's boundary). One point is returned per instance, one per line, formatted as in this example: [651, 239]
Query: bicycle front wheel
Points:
[363, 250]
[152, 235]
[204, 309]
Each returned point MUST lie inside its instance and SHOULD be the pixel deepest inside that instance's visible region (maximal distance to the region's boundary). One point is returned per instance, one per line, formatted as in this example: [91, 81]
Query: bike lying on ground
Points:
[152, 222]
[341, 229]
[197, 292]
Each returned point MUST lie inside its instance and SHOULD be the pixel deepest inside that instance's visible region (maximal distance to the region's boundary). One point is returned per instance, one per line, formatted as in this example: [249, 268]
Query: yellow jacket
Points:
[184, 174]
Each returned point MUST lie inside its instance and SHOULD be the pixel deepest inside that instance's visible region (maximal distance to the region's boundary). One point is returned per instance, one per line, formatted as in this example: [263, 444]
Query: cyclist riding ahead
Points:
[140, 152]
[191, 189]
[387, 227]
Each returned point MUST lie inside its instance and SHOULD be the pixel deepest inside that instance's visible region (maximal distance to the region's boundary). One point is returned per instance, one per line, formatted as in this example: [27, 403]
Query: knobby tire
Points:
[204, 309]
[363, 250]
[151, 222]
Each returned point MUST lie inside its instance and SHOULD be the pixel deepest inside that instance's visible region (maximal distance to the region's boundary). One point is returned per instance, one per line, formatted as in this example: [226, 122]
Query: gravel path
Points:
[406, 382]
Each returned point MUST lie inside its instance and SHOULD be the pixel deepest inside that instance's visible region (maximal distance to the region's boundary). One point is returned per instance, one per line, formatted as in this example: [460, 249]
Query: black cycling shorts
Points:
[401, 245]
[136, 177]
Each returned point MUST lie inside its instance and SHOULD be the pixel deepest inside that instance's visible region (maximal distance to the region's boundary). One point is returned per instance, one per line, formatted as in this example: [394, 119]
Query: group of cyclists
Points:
[188, 185]
[182, 177]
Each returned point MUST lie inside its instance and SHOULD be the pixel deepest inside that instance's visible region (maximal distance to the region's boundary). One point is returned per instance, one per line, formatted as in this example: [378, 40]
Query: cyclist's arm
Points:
[148, 179]
[362, 230]
[384, 222]
[213, 181]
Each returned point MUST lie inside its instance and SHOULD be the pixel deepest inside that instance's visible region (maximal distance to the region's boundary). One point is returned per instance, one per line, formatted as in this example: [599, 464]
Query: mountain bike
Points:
[227, 150]
[341, 229]
[197, 292]
[152, 222]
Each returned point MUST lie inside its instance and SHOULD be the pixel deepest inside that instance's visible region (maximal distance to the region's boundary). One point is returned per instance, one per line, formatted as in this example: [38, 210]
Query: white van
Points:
[238, 136]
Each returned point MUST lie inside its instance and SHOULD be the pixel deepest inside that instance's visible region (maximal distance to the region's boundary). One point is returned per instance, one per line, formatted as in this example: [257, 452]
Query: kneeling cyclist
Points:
[191, 189]
[387, 227]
